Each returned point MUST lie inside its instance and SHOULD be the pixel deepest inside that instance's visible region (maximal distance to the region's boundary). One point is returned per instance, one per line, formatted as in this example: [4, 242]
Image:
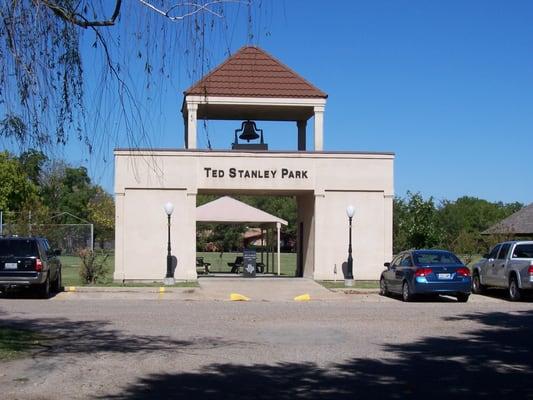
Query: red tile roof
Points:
[251, 72]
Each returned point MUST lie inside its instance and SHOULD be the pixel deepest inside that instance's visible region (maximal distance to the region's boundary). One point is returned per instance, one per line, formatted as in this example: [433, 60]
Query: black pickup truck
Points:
[29, 262]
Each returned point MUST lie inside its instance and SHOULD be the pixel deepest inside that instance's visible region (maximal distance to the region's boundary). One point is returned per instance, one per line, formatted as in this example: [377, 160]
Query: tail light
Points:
[38, 265]
[423, 272]
[530, 269]
[463, 271]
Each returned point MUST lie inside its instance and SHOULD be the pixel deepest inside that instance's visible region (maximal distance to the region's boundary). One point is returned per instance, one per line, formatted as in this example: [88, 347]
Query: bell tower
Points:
[253, 86]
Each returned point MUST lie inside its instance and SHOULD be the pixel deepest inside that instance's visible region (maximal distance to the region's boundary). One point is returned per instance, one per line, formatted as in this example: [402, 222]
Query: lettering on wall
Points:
[236, 173]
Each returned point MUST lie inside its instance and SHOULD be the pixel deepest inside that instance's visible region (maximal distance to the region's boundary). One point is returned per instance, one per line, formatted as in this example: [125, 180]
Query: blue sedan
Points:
[415, 272]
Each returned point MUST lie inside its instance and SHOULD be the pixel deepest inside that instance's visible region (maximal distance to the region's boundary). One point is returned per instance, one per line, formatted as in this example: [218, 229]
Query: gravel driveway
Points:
[360, 346]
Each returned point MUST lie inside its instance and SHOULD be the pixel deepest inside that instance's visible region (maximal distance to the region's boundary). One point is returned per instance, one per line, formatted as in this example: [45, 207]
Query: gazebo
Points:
[518, 224]
[227, 210]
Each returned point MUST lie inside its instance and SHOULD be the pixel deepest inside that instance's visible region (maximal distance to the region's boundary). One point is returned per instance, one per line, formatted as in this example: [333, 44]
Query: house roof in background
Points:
[252, 72]
[519, 223]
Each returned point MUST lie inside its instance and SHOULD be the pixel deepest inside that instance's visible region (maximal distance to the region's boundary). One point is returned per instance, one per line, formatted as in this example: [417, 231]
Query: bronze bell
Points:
[249, 131]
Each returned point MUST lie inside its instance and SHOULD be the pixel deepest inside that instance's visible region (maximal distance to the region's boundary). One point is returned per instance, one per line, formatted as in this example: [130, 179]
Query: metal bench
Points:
[202, 265]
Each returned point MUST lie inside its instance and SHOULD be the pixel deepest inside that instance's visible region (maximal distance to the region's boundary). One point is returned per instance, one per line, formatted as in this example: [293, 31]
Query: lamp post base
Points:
[348, 282]
[169, 281]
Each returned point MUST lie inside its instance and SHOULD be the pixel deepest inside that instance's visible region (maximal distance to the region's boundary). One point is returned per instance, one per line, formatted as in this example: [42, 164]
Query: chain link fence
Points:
[70, 238]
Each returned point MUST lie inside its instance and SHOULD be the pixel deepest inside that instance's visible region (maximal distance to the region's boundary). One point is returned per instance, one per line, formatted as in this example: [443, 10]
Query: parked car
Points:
[426, 272]
[508, 265]
[29, 262]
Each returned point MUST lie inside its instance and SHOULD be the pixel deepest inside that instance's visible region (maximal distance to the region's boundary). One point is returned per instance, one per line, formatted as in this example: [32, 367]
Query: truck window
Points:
[18, 248]
[523, 251]
[494, 251]
[503, 251]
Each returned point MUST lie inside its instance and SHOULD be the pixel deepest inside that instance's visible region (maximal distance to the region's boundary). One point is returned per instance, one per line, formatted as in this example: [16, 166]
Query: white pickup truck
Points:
[508, 265]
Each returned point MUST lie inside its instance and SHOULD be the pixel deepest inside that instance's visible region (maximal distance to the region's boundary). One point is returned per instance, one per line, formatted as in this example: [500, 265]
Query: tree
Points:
[17, 191]
[464, 219]
[67, 189]
[417, 222]
[101, 209]
[44, 81]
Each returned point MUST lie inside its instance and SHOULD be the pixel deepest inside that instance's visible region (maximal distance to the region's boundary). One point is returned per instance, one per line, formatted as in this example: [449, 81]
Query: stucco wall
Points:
[325, 184]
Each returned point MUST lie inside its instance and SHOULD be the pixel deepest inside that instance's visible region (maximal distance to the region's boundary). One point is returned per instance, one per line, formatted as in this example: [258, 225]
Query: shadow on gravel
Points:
[495, 361]
[62, 336]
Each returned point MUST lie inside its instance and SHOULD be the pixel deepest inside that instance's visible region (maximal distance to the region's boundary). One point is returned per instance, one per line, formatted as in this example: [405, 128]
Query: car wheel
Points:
[44, 289]
[406, 292]
[57, 283]
[462, 297]
[383, 287]
[515, 294]
[477, 287]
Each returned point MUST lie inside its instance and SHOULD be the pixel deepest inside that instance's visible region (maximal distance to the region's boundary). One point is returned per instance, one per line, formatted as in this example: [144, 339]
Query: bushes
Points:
[93, 266]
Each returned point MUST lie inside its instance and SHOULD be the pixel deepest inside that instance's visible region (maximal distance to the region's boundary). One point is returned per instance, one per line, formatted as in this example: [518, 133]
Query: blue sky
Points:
[446, 85]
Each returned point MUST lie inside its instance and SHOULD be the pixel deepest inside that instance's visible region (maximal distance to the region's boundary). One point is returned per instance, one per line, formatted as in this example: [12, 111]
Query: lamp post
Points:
[348, 279]
[169, 278]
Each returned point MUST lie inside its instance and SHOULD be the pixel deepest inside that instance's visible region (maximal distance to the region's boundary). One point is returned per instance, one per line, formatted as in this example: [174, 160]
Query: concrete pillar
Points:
[302, 134]
[192, 109]
[319, 128]
[278, 227]
[186, 131]
[388, 227]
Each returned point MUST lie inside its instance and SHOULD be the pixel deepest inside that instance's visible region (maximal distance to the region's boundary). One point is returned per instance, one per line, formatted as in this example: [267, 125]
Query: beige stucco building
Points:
[253, 85]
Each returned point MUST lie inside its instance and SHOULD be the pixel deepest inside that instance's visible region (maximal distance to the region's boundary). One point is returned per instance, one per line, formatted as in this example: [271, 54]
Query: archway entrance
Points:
[227, 226]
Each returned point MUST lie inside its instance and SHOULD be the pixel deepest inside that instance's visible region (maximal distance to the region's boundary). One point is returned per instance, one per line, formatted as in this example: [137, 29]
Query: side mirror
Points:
[387, 264]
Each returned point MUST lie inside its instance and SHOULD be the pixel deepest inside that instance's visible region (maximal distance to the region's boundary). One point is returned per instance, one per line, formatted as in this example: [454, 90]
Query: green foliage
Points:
[417, 223]
[17, 191]
[454, 225]
[101, 209]
[93, 266]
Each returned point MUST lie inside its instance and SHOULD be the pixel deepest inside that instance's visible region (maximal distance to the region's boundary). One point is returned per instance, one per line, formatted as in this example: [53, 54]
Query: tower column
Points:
[192, 109]
[302, 125]
[319, 128]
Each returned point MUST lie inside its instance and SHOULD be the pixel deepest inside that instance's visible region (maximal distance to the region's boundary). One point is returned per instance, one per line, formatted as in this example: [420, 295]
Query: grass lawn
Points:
[357, 284]
[219, 261]
[71, 275]
[17, 343]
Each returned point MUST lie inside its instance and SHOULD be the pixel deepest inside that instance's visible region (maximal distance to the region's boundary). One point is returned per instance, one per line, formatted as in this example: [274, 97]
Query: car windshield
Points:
[523, 251]
[18, 248]
[435, 258]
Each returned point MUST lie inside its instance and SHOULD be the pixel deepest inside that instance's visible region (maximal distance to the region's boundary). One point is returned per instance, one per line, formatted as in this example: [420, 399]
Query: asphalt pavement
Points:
[141, 344]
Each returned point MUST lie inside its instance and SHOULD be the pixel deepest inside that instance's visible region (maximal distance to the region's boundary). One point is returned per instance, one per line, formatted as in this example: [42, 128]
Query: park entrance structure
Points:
[253, 86]
[227, 210]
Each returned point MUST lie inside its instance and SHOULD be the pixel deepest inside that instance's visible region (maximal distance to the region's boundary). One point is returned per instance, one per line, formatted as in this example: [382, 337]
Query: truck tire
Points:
[477, 287]
[57, 282]
[515, 294]
[44, 289]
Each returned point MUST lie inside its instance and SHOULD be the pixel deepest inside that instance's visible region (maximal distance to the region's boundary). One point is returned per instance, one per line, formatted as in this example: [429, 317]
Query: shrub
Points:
[93, 266]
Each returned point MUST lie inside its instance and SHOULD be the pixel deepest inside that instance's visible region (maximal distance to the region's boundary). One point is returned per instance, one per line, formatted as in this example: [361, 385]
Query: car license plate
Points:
[10, 266]
[444, 276]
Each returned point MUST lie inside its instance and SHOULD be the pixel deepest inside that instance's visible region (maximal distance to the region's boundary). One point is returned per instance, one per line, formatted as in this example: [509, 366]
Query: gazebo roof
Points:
[228, 210]
[519, 223]
[252, 72]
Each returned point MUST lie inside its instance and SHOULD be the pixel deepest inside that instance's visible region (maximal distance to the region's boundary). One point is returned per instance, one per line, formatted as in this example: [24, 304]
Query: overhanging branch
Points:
[77, 19]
